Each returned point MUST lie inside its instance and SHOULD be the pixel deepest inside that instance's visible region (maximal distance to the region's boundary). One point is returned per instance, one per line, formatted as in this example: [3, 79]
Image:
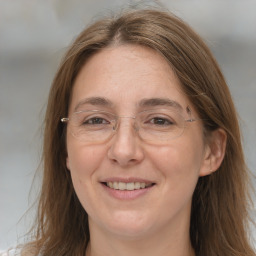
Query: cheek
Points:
[179, 163]
[175, 159]
[83, 160]
[83, 163]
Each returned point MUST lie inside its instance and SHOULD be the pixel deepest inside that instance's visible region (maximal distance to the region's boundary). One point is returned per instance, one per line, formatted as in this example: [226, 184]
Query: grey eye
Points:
[96, 120]
[160, 121]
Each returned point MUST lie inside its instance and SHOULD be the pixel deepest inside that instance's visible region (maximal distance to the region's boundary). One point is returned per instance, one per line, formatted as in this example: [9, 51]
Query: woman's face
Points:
[123, 80]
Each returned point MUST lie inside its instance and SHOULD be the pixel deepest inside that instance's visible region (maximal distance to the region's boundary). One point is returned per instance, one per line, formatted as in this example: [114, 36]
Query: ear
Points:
[214, 152]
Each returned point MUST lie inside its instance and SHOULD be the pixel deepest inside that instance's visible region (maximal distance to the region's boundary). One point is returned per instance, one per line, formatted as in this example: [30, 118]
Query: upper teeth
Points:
[127, 186]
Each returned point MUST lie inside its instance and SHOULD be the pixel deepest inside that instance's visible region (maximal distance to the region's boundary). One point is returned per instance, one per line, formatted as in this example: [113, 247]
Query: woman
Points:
[142, 150]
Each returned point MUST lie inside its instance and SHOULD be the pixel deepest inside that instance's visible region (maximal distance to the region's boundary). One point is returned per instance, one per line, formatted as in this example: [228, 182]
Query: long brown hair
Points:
[219, 216]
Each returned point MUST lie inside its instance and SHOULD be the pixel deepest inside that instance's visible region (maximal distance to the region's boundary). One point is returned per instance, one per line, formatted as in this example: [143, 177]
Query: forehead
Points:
[125, 76]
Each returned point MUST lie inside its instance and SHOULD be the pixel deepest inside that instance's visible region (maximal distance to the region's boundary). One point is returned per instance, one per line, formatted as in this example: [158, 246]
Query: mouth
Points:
[130, 186]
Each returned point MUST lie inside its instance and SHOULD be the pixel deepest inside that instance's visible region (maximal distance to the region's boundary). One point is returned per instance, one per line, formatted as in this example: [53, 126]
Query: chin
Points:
[129, 225]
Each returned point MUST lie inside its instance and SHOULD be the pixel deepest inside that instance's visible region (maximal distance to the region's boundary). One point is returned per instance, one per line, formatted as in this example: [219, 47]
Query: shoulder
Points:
[11, 252]
[16, 252]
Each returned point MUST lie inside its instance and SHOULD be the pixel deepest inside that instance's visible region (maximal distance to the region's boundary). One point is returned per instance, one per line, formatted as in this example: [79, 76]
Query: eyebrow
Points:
[152, 102]
[95, 101]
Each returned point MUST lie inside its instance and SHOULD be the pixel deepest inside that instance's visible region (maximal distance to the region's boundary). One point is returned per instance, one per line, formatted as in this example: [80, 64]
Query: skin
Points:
[157, 222]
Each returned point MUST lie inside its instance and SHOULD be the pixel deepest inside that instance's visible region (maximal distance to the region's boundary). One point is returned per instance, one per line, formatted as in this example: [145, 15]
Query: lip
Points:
[126, 194]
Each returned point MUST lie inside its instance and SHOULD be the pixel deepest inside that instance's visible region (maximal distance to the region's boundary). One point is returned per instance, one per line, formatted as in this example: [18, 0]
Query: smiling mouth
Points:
[128, 186]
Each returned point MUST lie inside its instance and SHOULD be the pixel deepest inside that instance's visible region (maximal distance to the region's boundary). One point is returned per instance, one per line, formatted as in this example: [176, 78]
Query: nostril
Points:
[114, 161]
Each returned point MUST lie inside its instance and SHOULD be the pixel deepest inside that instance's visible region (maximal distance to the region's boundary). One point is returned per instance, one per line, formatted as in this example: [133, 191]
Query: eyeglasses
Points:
[155, 126]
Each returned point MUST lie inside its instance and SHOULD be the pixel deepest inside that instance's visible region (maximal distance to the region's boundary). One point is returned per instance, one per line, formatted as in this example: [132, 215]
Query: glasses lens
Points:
[160, 125]
[92, 126]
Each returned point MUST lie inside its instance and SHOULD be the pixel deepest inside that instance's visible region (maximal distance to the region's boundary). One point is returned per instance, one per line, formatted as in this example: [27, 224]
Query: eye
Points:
[160, 121]
[95, 121]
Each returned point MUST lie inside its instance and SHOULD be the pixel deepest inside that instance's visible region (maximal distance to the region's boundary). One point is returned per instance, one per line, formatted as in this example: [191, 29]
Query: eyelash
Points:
[166, 121]
[91, 120]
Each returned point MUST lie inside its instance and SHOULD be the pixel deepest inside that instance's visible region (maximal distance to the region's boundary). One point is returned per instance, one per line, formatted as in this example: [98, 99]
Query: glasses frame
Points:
[117, 117]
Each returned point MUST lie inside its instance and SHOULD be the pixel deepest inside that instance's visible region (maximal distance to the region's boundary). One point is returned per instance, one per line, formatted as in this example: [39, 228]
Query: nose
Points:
[126, 148]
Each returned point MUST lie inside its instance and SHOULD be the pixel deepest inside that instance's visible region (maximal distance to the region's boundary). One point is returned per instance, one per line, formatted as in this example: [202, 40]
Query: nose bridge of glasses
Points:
[124, 121]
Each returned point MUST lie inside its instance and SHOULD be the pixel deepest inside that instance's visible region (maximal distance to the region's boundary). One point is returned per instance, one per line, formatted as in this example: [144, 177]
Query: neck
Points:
[163, 243]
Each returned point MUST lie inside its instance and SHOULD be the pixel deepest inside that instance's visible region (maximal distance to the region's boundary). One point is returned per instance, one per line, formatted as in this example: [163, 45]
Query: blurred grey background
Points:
[33, 37]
